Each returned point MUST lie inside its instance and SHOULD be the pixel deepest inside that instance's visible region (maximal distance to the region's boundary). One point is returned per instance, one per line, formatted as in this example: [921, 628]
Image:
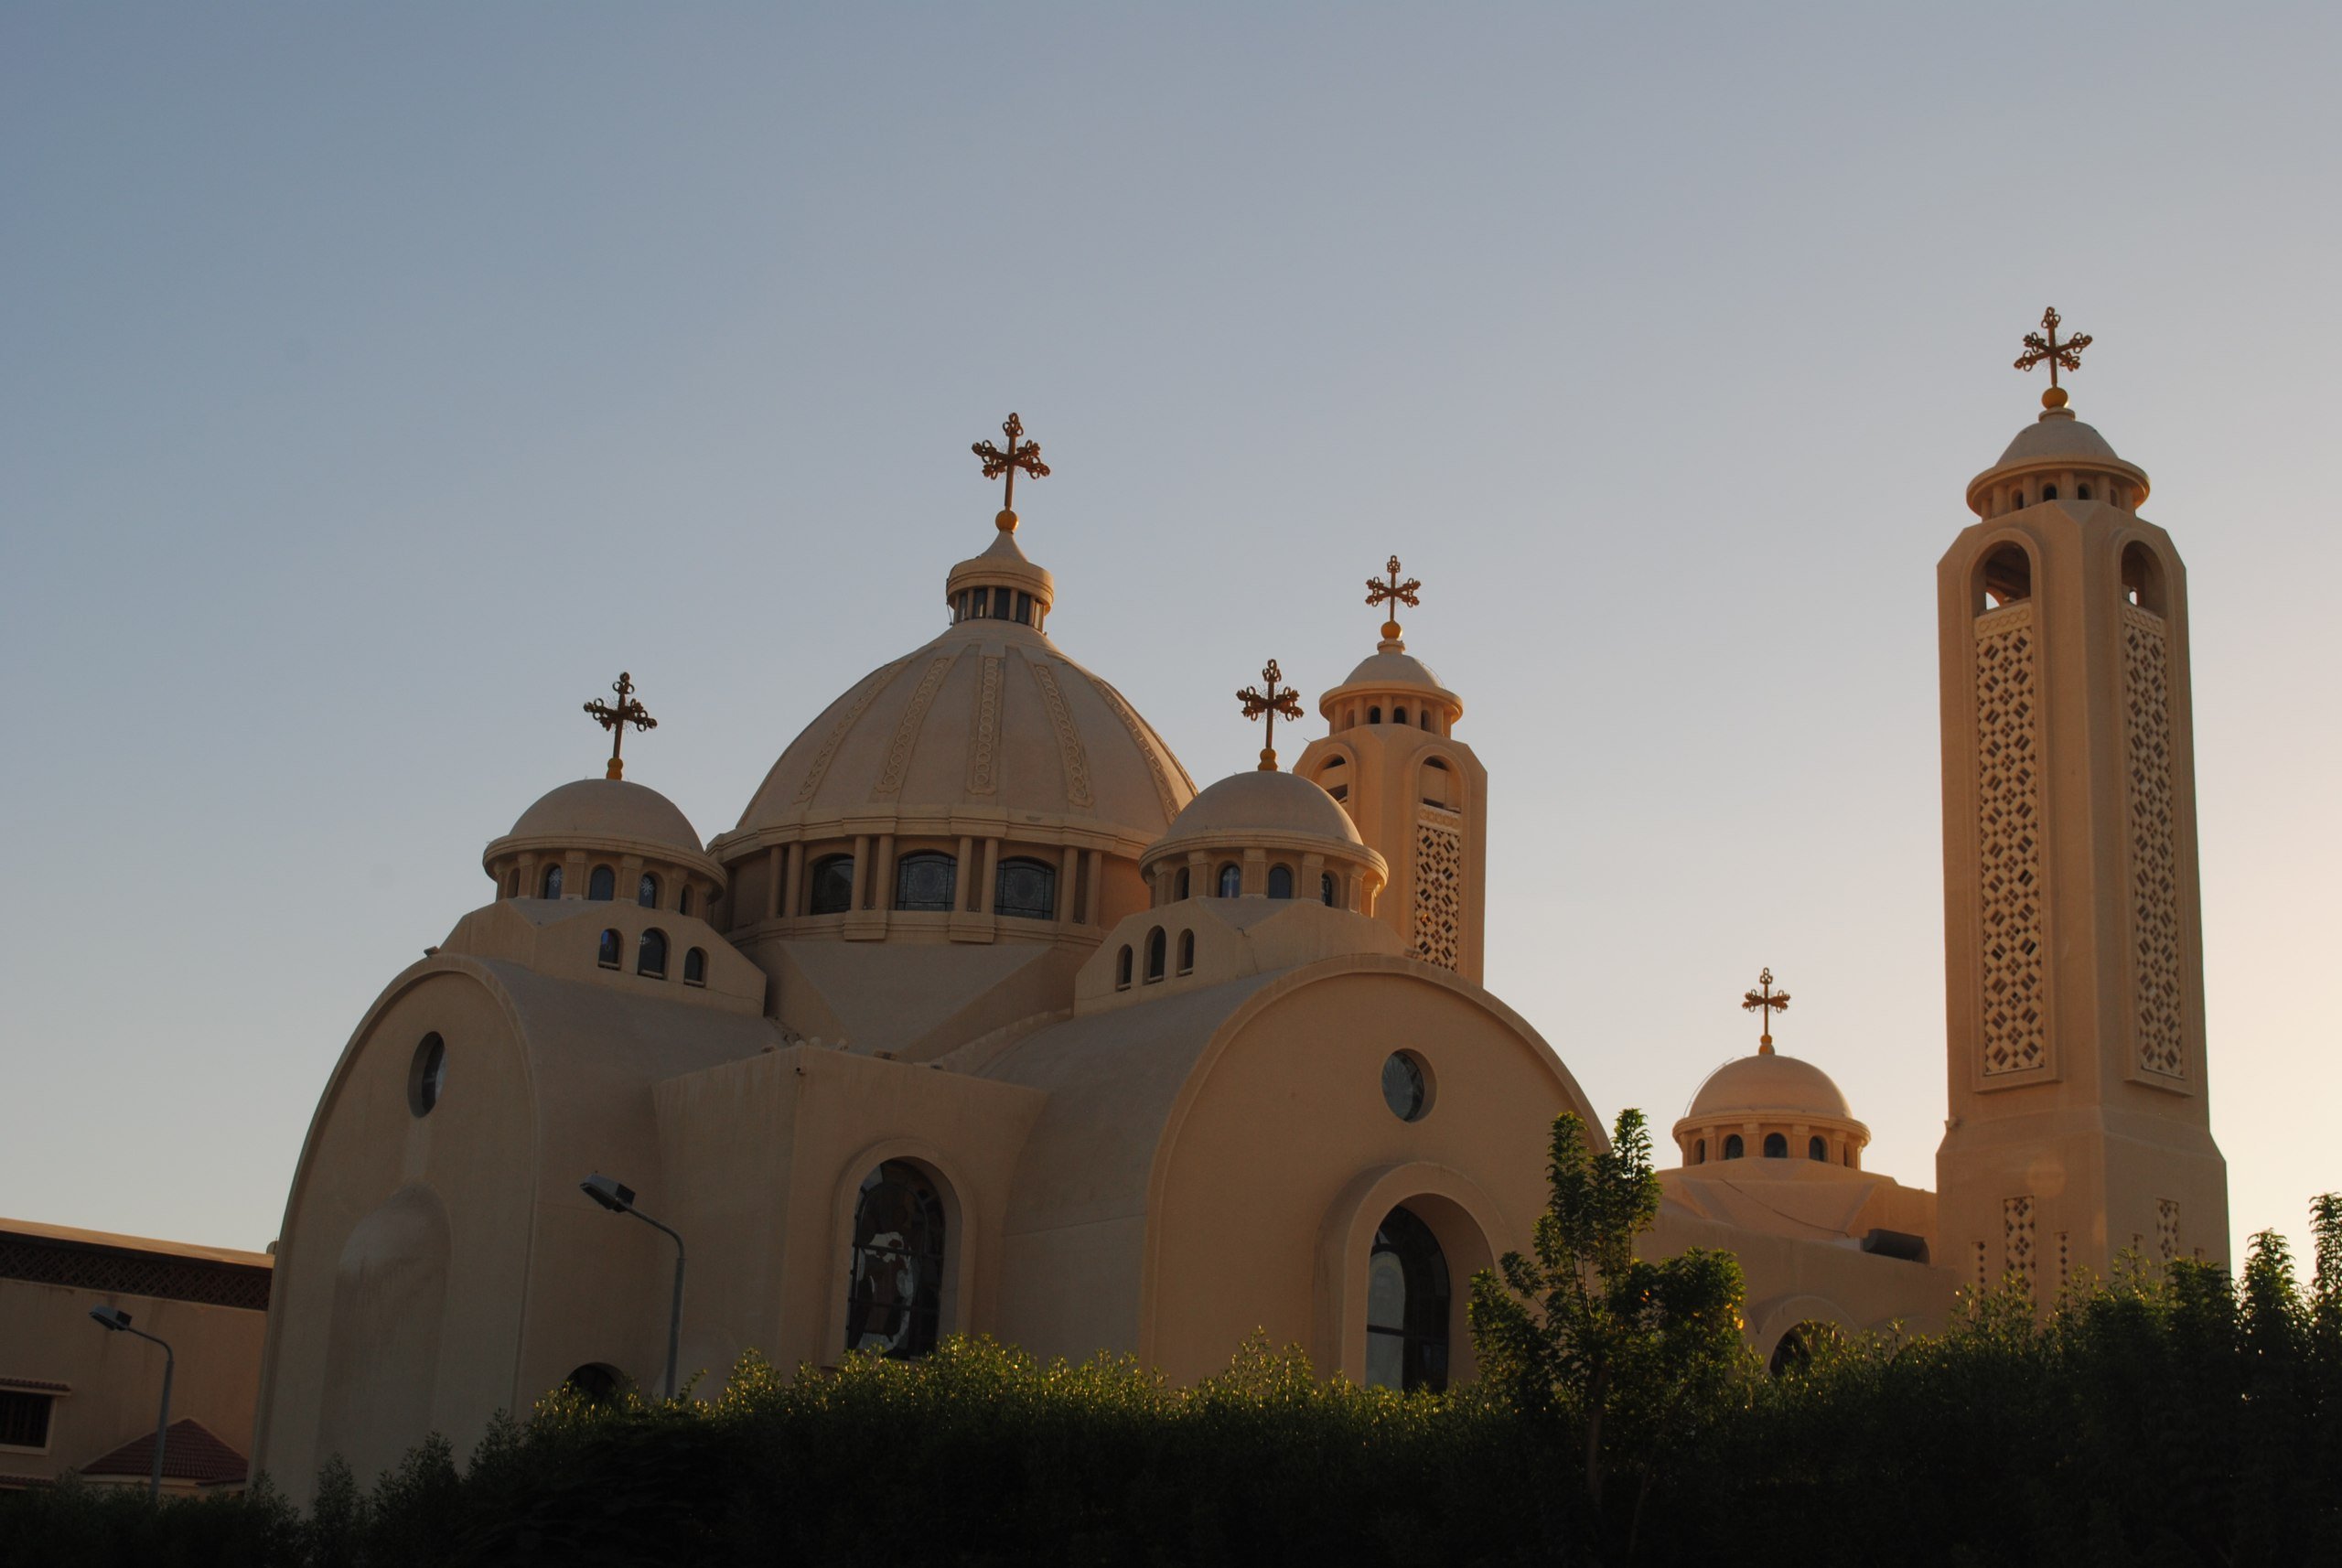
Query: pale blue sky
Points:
[377, 382]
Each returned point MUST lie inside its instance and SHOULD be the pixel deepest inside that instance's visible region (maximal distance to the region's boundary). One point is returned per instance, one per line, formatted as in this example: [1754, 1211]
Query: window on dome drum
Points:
[1327, 890]
[551, 886]
[512, 885]
[1374, 715]
[2081, 492]
[1182, 886]
[924, 881]
[1816, 1149]
[650, 954]
[2007, 577]
[1154, 945]
[683, 900]
[1777, 1146]
[646, 892]
[24, 1419]
[895, 1274]
[1280, 882]
[1426, 718]
[1025, 889]
[1406, 1306]
[597, 1384]
[1232, 880]
[1186, 952]
[426, 1075]
[1407, 1086]
[832, 885]
[2048, 492]
[613, 950]
[1700, 1152]
[1123, 970]
[695, 967]
[1732, 1146]
[1399, 717]
[603, 885]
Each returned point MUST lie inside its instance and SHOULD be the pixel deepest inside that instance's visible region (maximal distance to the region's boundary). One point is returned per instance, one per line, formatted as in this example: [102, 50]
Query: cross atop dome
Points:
[1267, 703]
[1394, 593]
[2043, 348]
[999, 462]
[629, 711]
[1765, 1003]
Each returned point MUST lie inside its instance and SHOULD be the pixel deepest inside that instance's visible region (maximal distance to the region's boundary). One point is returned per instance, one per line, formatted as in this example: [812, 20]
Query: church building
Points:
[983, 1018]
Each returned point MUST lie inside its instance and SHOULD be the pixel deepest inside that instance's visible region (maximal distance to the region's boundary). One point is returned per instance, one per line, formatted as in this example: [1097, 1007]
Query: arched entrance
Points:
[1409, 1305]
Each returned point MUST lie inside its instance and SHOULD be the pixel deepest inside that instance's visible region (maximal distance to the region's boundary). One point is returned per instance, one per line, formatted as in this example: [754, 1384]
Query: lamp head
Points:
[111, 1318]
[612, 1195]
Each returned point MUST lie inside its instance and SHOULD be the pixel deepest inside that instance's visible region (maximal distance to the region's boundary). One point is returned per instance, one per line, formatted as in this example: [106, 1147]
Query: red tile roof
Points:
[189, 1453]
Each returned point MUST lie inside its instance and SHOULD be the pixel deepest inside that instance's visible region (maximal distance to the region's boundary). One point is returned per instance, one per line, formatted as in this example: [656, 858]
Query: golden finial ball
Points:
[1005, 521]
[2054, 398]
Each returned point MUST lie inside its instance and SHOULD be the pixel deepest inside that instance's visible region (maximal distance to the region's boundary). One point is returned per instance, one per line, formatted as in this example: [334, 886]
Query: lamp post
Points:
[619, 1198]
[115, 1320]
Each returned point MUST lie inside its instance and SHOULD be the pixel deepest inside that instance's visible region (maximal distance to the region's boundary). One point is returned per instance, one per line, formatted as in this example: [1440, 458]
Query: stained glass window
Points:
[1232, 880]
[895, 1276]
[613, 950]
[833, 881]
[552, 882]
[646, 892]
[1025, 890]
[924, 881]
[1405, 1088]
[1407, 1306]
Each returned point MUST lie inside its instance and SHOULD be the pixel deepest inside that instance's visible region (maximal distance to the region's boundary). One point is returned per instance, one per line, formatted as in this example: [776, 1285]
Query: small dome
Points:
[608, 808]
[1391, 670]
[2057, 442]
[1769, 1084]
[1245, 805]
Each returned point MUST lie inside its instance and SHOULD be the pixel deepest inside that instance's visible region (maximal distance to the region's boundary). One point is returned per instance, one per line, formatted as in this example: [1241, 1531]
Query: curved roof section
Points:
[1267, 800]
[1391, 668]
[2058, 440]
[1769, 1084]
[601, 809]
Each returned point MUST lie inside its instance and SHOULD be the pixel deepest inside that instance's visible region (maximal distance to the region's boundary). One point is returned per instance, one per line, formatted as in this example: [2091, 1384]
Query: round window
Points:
[427, 1076]
[1407, 1086]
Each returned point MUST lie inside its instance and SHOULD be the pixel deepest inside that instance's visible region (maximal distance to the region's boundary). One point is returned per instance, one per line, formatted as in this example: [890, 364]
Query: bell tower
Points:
[2073, 950]
[1418, 796]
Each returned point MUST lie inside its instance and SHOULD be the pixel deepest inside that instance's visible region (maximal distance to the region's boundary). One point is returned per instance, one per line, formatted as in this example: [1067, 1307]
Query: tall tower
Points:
[1417, 794]
[2073, 952]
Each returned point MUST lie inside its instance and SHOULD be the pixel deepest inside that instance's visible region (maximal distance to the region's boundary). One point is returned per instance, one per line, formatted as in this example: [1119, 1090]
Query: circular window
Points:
[428, 1076]
[1407, 1086]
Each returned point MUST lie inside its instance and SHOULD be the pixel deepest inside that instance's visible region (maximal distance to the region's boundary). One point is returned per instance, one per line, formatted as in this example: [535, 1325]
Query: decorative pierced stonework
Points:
[983, 747]
[2167, 1229]
[2065, 1261]
[2154, 871]
[1146, 748]
[874, 682]
[1076, 761]
[2008, 800]
[898, 752]
[1439, 886]
[2017, 1240]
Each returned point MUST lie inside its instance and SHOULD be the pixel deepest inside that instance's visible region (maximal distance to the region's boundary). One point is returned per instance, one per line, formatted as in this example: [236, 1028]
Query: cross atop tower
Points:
[2043, 348]
[1019, 454]
[1765, 1003]
[1268, 703]
[629, 711]
[1393, 592]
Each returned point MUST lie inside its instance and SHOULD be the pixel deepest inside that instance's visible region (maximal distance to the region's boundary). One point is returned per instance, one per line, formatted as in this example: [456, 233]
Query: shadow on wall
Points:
[390, 1294]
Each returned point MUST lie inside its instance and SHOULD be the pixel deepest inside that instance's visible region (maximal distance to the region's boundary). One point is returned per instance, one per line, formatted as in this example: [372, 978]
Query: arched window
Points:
[1328, 890]
[1399, 717]
[1025, 890]
[596, 1384]
[683, 900]
[426, 1075]
[1732, 1146]
[1154, 945]
[1438, 784]
[1280, 882]
[695, 967]
[1818, 1149]
[1700, 1152]
[1186, 952]
[646, 892]
[925, 880]
[1374, 715]
[2081, 492]
[1181, 887]
[1777, 1146]
[512, 884]
[613, 951]
[1232, 880]
[2143, 578]
[832, 884]
[2007, 577]
[1406, 1306]
[2048, 492]
[551, 886]
[603, 885]
[1795, 1349]
[1123, 970]
[1426, 718]
[650, 954]
[894, 1275]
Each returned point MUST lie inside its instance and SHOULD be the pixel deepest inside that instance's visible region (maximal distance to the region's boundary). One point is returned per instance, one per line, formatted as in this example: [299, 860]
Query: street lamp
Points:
[619, 1198]
[115, 1320]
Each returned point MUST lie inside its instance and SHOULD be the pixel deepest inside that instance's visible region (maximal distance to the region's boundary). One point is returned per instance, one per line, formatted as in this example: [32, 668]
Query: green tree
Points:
[1638, 1357]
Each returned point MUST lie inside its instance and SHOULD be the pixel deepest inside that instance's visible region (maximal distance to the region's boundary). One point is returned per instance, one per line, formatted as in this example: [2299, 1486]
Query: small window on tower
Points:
[1399, 717]
[2006, 578]
[1816, 1149]
[1326, 889]
[1374, 715]
[2143, 578]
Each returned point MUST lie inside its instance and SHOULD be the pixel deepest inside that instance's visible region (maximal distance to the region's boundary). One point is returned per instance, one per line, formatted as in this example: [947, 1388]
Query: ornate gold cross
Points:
[1765, 1003]
[2043, 349]
[1379, 591]
[1026, 456]
[629, 711]
[1268, 704]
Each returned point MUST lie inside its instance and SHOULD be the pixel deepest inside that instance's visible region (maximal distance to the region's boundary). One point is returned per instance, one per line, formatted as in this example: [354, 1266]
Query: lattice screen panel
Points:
[2008, 799]
[1439, 886]
[2017, 1240]
[2154, 871]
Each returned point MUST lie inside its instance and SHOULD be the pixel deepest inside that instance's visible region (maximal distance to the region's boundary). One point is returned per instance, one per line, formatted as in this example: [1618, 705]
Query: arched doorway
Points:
[895, 1272]
[1408, 1306]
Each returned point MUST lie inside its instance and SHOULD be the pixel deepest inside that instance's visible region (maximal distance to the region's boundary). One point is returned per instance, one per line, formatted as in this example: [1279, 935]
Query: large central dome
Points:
[989, 719]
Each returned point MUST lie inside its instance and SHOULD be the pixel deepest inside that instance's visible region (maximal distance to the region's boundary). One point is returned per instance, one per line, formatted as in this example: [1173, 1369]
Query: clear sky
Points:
[377, 382]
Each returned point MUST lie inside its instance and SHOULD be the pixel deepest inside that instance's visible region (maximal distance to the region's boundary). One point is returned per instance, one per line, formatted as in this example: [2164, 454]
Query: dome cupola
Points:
[2057, 457]
[1390, 685]
[1769, 1106]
